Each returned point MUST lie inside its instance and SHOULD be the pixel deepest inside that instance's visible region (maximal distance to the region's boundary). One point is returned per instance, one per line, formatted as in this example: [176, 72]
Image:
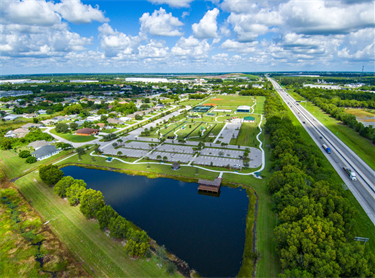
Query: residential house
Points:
[30, 116]
[10, 117]
[45, 152]
[87, 131]
[100, 125]
[42, 112]
[28, 125]
[20, 132]
[114, 121]
[48, 122]
[93, 118]
[38, 144]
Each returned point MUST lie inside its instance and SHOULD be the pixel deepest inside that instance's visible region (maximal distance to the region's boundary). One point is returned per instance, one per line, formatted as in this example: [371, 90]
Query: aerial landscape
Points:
[186, 138]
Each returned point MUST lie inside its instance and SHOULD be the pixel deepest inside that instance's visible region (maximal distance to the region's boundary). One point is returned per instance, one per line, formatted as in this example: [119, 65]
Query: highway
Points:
[341, 155]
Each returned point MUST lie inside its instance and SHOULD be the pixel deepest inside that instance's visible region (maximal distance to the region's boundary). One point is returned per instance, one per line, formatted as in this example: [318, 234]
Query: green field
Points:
[14, 166]
[248, 133]
[99, 254]
[73, 138]
[230, 101]
[360, 145]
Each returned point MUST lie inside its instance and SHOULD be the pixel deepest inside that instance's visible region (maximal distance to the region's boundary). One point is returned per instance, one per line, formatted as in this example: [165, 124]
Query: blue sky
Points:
[75, 36]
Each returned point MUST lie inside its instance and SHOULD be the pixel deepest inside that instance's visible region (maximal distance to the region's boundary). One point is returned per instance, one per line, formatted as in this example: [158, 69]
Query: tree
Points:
[138, 117]
[31, 160]
[104, 216]
[221, 153]
[119, 153]
[61, 128]
[165, 158]
[158, 157]
[119, 227]
[91, 202]
[6, 143]
[50, 174]
[24, 154]
[73, 126]
[80, 151]
[63, 184]
[137, 244]
[74, 192]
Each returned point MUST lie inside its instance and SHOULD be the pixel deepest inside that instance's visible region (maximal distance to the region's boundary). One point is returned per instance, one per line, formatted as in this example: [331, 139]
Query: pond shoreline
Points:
[248, 262]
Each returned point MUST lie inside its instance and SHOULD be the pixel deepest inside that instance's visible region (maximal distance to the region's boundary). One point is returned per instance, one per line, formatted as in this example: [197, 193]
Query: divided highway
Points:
[364, 187]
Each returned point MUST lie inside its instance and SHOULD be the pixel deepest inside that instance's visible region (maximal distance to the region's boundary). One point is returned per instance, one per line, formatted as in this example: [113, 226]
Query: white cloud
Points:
[327, 17]
[240, 47]
[366, 54]
[76, 12]
[155, 49]
[191, 48]
[116, 43]
[44, 13]
[207, 26]
[239, 6]
[160, 23]
[173, 3]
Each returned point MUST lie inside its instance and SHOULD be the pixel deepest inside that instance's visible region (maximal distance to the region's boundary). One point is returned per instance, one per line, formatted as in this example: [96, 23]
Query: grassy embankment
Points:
[360, 145]
[363, 226]
[73, 138]
[100, 255]
[21, 229]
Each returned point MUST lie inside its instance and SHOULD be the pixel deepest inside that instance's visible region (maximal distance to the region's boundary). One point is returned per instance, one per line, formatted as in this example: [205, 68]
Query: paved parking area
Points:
[231, 130]
[126, 151]
[217, 161]
[175, 149]
[173, 157]
[137, 145]
[227, 153]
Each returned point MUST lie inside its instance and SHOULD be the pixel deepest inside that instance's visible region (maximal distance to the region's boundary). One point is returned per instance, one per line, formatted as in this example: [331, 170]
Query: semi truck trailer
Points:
[326, 148]
[350, 173]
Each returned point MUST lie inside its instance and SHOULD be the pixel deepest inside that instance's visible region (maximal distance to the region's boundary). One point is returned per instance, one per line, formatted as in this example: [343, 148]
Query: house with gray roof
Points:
[45, 152]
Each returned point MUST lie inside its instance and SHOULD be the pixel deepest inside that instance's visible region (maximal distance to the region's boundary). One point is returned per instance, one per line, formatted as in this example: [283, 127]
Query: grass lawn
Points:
[14, 166]
[100, 255]
[73, 138]
[230, 101]
[247, 135]
[109, 130]
[360, 145]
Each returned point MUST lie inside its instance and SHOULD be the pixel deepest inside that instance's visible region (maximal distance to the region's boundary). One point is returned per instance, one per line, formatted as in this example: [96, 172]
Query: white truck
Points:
[350, 173]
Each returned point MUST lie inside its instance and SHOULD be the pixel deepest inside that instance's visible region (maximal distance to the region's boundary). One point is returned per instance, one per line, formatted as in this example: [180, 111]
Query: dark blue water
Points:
[206, 232]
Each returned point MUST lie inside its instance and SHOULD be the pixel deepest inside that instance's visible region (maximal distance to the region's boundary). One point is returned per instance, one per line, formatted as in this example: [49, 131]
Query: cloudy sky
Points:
[75, 36]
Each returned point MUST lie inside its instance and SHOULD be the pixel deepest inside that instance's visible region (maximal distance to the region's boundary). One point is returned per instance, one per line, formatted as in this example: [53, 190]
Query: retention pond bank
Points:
[206, 232]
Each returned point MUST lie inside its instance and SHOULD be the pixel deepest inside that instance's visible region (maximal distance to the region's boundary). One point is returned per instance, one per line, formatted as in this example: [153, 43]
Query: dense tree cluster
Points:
[331, 101]
[315, 236]
[50, 174]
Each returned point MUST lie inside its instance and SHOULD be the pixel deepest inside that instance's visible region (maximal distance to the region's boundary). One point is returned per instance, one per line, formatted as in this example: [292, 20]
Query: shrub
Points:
[31, 159]
[24, 154]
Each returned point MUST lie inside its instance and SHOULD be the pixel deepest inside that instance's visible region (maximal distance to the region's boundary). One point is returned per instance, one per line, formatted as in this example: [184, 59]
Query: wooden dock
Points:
[210, 186]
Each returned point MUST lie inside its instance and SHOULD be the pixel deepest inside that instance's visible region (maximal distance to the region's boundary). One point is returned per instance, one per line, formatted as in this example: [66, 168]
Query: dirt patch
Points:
[210, 104]
[216, 99]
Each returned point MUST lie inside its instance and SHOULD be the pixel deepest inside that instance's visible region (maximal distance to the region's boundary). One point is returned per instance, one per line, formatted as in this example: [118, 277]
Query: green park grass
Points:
[230, 101]
[99, 254]
[247, 135]
[360, 145]
[363, 226]
[73, 138]
[14, 166]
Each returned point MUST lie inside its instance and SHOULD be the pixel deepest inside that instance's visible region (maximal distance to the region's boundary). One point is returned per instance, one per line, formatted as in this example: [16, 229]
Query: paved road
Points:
[363, 189]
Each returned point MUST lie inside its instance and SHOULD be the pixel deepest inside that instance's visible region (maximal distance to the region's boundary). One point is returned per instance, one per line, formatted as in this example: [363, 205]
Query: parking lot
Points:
[226, 153]
[230, 131]
[137, 145]
[173, 157]
[176, 149]
[125, 151]
[217, 161]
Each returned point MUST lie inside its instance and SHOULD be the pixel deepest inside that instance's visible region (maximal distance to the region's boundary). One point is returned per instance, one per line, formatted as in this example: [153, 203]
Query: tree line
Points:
[330, 102]
[315, 232]
[92, 206]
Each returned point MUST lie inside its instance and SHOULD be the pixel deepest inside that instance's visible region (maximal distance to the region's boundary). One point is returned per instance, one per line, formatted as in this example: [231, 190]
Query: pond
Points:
[206, 232]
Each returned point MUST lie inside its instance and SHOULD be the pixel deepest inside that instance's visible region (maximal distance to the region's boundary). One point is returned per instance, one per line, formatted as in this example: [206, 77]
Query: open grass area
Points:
[14, 166]
[247, 135]
[230, 101]
[100, 255]
[21, 229]
[73, 138]
[360, 145]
